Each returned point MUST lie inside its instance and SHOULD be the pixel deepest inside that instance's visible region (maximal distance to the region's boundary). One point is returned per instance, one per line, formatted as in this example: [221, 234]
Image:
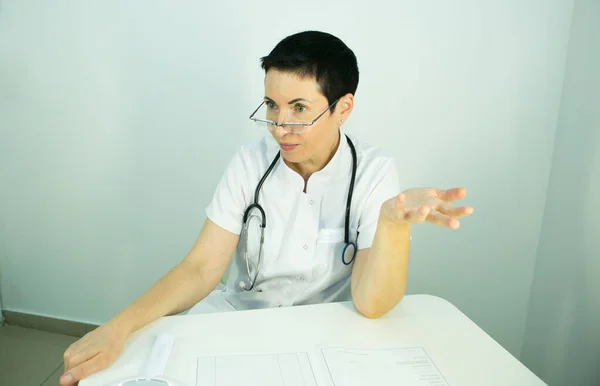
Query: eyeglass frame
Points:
[286, 125]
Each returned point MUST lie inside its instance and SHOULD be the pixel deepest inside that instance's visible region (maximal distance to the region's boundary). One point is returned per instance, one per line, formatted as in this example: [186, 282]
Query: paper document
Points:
[255, 370]
[382, 367]
[329, 366]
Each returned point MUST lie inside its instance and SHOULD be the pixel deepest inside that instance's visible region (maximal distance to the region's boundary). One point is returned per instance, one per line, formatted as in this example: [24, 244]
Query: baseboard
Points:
[45, 323]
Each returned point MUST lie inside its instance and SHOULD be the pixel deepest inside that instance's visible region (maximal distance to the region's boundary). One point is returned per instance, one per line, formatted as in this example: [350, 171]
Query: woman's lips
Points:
[287, 147]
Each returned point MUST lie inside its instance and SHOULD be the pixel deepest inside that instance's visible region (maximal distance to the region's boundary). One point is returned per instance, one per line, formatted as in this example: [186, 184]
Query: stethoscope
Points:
[349, 251]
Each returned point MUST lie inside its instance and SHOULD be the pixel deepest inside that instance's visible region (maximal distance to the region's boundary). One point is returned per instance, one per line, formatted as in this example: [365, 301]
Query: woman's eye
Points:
[271, 105]
[300, 108]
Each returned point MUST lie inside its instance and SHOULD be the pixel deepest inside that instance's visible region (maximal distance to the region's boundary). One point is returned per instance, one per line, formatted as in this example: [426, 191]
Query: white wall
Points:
[562, 339]
[117, 119]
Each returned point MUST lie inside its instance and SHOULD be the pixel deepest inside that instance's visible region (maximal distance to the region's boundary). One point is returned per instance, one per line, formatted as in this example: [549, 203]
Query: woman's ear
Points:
[344, 106]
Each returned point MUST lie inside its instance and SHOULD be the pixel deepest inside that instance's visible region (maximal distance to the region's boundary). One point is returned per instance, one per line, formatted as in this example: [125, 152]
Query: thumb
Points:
[400, 201]
[396, 211]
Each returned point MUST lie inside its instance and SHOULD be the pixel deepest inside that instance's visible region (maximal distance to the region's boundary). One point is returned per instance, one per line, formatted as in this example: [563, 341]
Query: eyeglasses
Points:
[296, 121]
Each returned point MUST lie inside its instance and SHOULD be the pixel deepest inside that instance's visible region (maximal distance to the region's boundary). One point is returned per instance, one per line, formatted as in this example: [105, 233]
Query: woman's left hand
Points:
[419, 205]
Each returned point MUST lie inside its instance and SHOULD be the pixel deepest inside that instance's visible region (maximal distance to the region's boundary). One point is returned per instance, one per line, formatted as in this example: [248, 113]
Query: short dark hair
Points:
[317, 55]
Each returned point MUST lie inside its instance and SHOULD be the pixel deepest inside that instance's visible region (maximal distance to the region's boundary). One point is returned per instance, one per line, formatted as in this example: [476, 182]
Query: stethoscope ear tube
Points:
[350, 247]
[263, 217]
[350, 192]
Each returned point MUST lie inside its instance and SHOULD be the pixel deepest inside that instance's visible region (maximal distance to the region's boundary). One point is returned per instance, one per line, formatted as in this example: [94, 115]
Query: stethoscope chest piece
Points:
[349, 253]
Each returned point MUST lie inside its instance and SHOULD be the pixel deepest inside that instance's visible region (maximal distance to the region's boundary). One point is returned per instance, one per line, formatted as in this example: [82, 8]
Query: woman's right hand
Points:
[94, 352]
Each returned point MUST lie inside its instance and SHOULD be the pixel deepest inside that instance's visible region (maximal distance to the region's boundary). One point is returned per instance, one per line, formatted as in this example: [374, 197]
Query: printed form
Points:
[410, 366]
[255, 370]
[340, 366]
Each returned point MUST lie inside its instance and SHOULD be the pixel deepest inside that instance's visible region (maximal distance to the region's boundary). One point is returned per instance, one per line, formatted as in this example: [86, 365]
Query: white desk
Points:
[465, 354]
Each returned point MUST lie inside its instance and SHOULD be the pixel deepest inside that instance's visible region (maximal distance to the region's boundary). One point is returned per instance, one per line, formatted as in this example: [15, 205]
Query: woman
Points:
[316, 216]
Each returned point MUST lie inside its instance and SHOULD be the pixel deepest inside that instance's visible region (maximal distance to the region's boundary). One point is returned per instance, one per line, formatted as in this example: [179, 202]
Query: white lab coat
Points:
[304, 237]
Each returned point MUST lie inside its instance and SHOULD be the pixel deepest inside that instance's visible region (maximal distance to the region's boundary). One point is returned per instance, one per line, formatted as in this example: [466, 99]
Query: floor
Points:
[31, 357]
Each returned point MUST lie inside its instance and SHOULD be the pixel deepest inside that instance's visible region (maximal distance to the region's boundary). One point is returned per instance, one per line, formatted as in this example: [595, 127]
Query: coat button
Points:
[305, 247]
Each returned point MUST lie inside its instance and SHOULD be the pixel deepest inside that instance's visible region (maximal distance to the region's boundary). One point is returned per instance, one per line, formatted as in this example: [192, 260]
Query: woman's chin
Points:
[292, 157]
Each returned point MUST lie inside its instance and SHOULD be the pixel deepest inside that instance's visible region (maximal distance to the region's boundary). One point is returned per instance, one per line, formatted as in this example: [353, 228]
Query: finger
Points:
[93, 365]
[454, 211]
[417, 216]
[398, 212]
[400, 201]
[440, 219]
[74, 356]
[450, 195]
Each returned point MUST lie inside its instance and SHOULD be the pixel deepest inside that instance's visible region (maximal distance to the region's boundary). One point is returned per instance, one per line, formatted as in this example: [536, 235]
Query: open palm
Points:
[432, 205]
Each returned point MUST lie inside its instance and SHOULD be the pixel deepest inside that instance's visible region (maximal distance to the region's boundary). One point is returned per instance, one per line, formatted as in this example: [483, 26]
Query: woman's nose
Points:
[279, 131]
[281, 119]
